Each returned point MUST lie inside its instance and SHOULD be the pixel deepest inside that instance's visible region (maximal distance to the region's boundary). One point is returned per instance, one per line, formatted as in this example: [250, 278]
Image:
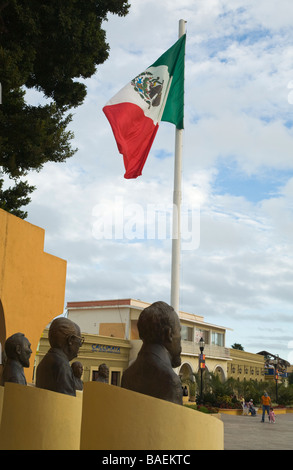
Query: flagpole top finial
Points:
[181, 27]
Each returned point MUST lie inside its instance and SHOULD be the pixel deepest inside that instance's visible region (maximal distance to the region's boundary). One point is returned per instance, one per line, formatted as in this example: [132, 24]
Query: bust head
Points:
[103, 372]
[77, 369]
[18, 348]
[64, 334]
[159, 324]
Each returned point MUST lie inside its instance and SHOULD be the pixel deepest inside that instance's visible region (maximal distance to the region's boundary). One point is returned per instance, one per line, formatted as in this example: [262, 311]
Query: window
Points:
[217, 338]
[186, 333]
[115, 377]
[95, 375]
[201, 334]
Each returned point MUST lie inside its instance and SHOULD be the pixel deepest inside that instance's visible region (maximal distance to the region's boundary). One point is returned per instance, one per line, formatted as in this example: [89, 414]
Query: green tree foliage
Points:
[31, 135]
[13, 198]
[237, 346]
[49, 46]
[226, 393]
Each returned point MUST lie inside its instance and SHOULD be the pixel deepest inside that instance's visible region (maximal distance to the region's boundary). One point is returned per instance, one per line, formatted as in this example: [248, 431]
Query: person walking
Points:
[266, 401]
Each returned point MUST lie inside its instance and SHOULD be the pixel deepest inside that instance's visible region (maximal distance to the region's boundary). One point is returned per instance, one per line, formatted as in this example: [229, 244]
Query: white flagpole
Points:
[176, 229]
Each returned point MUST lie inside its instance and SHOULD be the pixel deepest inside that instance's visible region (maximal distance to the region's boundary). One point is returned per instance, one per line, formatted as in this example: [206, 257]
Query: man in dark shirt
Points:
[18, 352]
[54, 371]
[152, 372]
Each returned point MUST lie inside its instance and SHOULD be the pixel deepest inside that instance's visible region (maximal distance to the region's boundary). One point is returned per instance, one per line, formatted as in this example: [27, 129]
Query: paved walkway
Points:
[249, 433]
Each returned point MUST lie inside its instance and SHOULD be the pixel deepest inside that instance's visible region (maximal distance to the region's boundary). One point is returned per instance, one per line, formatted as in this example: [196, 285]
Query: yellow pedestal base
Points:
[118, 419]
[36, 419]
[1, 402]
[103, 417]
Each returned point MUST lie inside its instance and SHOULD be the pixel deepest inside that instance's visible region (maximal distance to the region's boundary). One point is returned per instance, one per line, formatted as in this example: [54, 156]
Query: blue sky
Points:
[255, 187]
[237, 169]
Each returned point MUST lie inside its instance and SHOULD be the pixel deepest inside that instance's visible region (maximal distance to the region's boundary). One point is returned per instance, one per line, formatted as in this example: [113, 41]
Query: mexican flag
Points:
[155, 95]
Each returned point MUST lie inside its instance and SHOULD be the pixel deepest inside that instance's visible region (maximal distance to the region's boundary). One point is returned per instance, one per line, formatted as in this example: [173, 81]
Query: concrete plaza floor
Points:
[249, 433]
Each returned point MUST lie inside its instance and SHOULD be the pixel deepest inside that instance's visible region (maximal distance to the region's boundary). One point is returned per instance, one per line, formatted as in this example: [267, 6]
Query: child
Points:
[272, 415]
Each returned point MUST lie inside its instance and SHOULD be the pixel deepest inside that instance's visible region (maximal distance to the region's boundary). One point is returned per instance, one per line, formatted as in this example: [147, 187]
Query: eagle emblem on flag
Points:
[149, 88]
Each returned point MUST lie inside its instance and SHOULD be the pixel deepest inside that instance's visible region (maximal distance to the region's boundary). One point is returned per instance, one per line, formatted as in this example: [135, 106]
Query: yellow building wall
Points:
[246, 366]
[32, 282]
[212, 364]
[95, 350]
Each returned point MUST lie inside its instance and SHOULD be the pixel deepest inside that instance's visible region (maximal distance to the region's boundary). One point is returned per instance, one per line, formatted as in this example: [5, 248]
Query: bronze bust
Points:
[77, 369]
[18, 352]
[103, 374]
[54, 371]
[152, 372]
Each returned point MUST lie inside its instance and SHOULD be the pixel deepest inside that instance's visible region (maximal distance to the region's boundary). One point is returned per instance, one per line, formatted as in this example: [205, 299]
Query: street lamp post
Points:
[201, 364]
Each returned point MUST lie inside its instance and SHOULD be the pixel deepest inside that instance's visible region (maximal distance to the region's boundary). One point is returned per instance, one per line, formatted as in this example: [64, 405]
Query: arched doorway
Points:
[185, 372]
[219, 371]
[187, 380]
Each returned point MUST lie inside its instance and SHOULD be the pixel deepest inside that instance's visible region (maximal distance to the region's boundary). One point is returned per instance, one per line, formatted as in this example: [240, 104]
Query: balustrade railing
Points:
[210, 350]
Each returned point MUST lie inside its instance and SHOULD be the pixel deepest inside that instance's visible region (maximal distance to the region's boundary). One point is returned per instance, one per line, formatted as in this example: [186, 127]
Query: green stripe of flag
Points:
[174, 58]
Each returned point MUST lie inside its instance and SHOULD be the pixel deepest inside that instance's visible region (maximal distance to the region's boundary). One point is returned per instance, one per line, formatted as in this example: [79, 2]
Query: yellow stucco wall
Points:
[246, 366]
[117, 419]
[1, 401]
[103, 417]
[32, 282]
[37, 419]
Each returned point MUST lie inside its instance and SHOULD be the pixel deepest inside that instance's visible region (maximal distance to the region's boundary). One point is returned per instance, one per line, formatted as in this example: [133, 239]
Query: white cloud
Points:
[238, 66]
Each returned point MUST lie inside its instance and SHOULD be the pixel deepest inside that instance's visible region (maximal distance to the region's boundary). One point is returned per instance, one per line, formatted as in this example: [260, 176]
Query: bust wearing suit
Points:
[54, 371]
[152, 372]
[18, 352]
